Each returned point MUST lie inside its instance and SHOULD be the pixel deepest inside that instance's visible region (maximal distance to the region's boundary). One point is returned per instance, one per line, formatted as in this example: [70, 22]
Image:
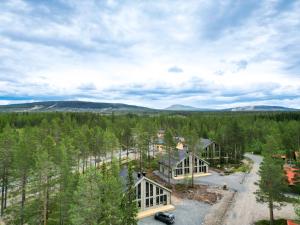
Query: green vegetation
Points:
[271, 185]
[244, 168]
[47, 160]
[276, 222]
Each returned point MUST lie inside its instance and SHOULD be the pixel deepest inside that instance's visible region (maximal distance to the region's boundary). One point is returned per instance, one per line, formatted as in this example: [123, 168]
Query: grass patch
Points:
[267, 222]
[245, 168]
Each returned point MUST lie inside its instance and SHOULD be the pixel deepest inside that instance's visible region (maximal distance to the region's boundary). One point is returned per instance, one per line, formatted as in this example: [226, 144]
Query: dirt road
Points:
[244, 209]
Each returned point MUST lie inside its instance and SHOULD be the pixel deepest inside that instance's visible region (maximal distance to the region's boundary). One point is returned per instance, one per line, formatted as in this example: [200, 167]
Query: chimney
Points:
[139, 174]
[144, 174]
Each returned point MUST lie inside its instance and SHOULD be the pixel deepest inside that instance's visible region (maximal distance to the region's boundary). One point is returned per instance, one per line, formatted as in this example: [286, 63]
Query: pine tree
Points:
[24, 165]
[193, 140]
[7, 142]
[87, 205]
[98, 198]
[129, 206]
[271, 185]
[169, 142]
[46, 174]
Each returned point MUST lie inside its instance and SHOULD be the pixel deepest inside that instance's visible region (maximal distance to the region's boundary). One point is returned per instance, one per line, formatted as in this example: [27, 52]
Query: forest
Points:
[62, 168]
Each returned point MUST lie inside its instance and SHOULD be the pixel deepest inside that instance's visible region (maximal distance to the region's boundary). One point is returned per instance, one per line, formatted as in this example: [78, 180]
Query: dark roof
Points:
[124, 175]
[204, 142]
[176, 156]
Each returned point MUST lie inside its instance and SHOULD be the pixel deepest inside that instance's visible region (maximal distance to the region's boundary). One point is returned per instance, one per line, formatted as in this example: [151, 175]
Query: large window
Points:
[161, 197]
[196, 165]
[187, 165]
[138, 195]
[201, 167]
[149, 194]
[178, 170]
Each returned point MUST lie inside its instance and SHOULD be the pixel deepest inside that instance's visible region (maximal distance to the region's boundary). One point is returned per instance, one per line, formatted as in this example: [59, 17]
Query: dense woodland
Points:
[47, 160]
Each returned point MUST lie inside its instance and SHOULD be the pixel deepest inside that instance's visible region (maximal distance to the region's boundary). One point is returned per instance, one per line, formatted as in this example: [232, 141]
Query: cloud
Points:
[119, 50]
[241, 65]
[87, 87]
[175, 69]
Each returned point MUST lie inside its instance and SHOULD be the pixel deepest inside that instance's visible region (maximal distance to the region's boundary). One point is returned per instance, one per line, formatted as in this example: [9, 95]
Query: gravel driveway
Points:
[245, 210]
[187, 212]
[233, 181]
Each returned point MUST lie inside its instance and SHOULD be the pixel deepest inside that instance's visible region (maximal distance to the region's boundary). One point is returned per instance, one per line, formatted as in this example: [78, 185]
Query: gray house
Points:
[149, 194]
[181, 164]
[211, 151]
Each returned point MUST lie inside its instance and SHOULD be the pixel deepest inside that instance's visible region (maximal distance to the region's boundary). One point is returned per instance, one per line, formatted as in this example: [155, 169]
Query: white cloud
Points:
[73, 48]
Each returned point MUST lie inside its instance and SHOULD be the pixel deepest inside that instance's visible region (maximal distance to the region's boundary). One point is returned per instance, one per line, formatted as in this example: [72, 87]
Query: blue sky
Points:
[203, 53]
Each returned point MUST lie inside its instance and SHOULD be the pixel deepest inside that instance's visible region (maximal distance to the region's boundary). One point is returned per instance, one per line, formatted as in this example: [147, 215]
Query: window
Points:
[165, 199]
[151, 189]
[138, 194]
[186, 162]
[187, 165]
[149, 194]
[178, 172]
[147, 189]
[161, 197]
[201, 167]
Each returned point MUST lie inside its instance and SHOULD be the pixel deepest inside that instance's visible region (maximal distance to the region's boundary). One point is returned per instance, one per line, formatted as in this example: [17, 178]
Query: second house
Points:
[180, 164]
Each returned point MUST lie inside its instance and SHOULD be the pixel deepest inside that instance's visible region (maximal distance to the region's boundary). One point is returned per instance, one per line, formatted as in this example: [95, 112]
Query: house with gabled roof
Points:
[150, 195]
[211, 151]
[180, 164]
[159, 145]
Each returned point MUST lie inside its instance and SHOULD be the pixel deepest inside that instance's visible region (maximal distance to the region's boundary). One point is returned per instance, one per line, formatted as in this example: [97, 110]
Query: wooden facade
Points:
[150, 194]
[183, 166]
[211, 151]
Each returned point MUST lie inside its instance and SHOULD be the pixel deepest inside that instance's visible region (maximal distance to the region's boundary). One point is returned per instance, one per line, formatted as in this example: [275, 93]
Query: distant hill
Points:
[81, 106]
[184, 108]
[258, 108]
[73, 106]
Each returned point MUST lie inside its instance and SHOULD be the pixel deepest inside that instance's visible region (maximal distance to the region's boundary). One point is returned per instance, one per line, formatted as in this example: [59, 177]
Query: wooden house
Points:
[149, 194]
[180, 165]
[211, 151]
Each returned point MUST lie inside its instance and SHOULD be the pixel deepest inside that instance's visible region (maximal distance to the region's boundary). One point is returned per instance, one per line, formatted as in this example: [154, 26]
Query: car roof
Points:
[165, 213]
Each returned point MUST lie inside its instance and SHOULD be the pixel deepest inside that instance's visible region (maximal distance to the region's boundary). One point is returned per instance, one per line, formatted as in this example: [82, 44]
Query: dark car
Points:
[167, 218]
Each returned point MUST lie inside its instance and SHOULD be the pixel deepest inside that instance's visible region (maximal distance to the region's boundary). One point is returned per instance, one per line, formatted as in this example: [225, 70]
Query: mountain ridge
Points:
[48, 106]
[104, 107]
[179, 107]
[257, 108]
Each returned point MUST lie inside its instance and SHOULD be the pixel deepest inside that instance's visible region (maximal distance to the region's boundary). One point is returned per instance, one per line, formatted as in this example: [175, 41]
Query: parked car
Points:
[167, 218]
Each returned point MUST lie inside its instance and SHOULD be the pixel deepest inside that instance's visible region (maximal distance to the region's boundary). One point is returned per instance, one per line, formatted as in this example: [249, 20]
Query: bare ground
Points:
[218, 211]
[200, 192]
[245, 210]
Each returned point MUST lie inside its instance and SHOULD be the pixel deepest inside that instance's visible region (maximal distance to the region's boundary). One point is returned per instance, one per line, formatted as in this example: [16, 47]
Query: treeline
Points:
[43, 157]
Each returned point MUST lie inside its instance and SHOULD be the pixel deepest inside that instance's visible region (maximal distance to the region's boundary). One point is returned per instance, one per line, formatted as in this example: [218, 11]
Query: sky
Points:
[202, 53]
